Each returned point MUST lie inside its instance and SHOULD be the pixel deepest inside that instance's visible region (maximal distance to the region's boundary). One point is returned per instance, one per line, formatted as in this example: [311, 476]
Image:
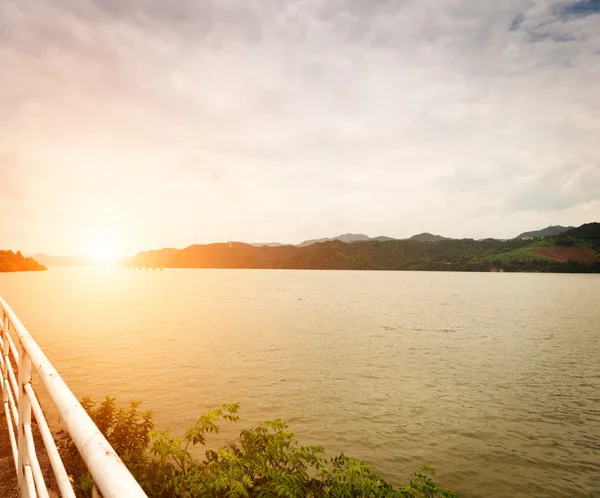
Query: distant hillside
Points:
[267, 244]
[427, 237]
[48, 260]
[588, 233]
[574, 253]
[346, 237]
[575, 250]
[545, 232]
[10, 261]
[383, 238]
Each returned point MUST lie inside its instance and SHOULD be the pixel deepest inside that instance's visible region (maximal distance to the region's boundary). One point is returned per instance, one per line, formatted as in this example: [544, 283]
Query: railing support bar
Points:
[13, 348]
[62, 478]
[24, 414]
[38, 477]
[30, 486]
[11, 435]
[11, 403]
[11, 376]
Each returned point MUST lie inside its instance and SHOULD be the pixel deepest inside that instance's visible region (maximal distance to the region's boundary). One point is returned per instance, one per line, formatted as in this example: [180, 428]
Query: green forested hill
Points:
[10, 261]
[587, 234]
[455, 255]
[545, 232]
[576, 250]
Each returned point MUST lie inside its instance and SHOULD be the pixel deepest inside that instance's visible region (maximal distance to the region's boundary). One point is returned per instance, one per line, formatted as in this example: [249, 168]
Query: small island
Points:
[10, 261]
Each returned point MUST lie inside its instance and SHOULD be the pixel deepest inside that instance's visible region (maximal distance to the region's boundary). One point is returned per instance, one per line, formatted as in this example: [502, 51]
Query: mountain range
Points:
[575, 250]
[425, 236]
[361, 237]
[422, 237]
[347, 238]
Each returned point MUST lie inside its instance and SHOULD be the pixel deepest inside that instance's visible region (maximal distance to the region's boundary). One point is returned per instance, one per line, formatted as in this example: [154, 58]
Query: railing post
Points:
[5, 347]
[6, 387]
[24, 416]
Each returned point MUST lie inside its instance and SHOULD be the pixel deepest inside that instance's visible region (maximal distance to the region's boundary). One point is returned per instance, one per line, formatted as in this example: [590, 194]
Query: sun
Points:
[103, 253]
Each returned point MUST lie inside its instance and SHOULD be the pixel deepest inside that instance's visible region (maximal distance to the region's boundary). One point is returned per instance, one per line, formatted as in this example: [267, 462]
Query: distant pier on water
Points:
[131, 267]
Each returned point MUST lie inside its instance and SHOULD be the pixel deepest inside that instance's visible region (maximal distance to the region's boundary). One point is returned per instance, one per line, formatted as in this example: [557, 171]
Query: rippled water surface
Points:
[493, 379]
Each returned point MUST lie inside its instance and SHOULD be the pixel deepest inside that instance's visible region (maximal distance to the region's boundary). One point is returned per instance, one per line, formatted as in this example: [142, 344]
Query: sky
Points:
[143, 124]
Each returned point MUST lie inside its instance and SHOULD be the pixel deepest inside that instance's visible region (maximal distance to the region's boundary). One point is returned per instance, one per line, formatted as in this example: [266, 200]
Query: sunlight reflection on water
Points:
[493, 379]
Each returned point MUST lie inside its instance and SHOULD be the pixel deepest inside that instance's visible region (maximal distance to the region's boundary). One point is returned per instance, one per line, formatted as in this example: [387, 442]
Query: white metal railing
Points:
[108, 471]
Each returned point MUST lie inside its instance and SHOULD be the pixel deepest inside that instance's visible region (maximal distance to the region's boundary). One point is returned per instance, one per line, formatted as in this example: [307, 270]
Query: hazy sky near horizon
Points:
[145, 124]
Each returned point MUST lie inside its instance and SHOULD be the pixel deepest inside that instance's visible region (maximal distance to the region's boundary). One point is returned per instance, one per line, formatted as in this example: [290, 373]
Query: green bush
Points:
[264, 461]
[126, 429]
[567, 242]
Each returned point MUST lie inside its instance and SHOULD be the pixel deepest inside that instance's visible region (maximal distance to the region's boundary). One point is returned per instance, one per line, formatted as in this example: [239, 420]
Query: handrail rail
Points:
[108, 471]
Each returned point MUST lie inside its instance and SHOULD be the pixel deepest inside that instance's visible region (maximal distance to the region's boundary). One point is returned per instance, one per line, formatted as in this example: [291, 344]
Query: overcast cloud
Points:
[152, 123]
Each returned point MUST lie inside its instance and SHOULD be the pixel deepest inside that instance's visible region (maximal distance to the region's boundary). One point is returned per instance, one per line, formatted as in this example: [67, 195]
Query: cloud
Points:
[10, 187]
[565, 188]
[372, 116]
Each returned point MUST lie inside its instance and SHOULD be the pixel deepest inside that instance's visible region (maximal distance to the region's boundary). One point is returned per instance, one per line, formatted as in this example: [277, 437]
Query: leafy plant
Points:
[264, 461]
[126, 429]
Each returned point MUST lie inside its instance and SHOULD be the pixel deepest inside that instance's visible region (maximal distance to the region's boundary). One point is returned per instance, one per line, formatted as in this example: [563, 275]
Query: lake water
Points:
[493, 379]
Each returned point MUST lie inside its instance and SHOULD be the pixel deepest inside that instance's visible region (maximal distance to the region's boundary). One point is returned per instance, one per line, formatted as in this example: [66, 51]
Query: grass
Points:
[525, 253]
